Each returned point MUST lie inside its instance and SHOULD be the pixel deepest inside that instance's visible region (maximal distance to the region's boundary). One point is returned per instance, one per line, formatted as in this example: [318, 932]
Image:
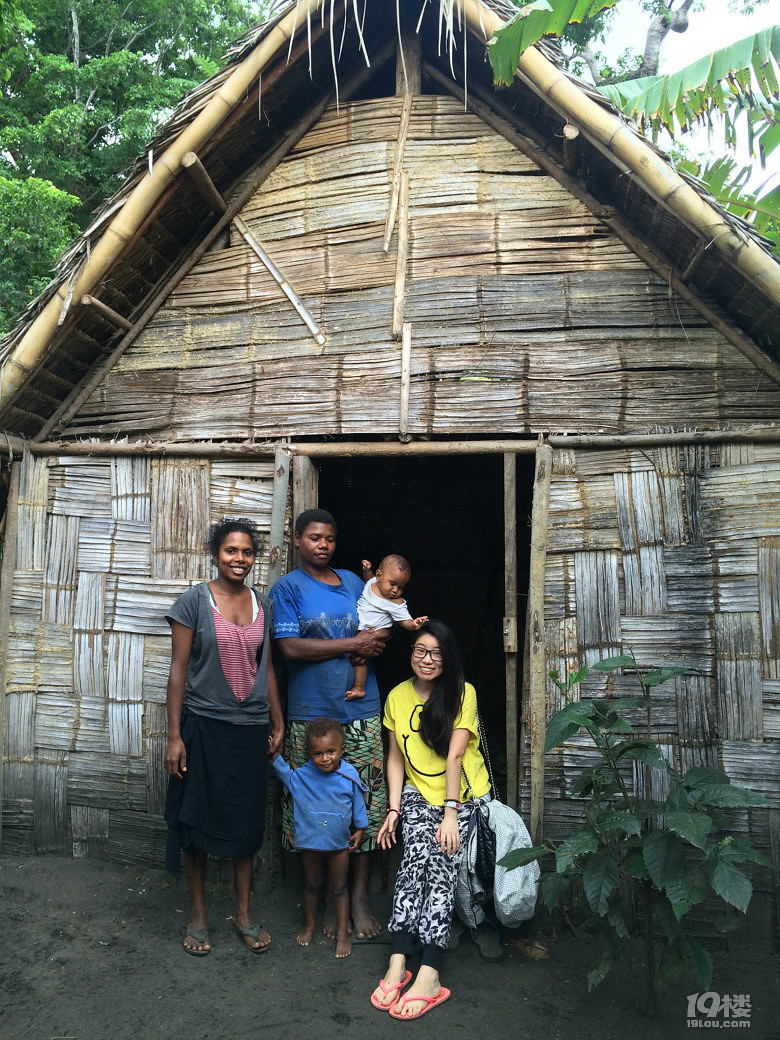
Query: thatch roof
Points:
[238, 121]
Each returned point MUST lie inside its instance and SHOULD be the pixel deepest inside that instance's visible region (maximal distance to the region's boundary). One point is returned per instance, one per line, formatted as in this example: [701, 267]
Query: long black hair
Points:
[438, 715]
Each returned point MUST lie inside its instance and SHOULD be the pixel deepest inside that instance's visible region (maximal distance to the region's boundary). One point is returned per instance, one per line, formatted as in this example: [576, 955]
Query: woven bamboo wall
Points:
[510, 285]
[674, 552]
[104, 548]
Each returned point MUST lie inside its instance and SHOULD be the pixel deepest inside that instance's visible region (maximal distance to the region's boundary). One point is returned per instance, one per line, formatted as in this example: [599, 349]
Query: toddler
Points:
[380, 604]
[328, 802]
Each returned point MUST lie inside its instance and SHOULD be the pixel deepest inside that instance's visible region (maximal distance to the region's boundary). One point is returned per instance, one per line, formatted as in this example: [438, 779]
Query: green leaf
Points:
[672, 963]
[663, 856]
[600, 878]
[615, 918]
[598, 974]
[738, 851]
[702, 962]
[580, 843]
[704, 84]
[693, 826]
[678, 799]
[522, 857]
[566, 722]
[530, 24]
[728, 795]
[730, 883]
[552, 888]
[644, 751]
[701, 776]
[685, 891]
[611, 664]
[575, 677]
[634, 866]
[667, 917]
[661, 675]
[646, 807]
[726, 924]
[613, 821]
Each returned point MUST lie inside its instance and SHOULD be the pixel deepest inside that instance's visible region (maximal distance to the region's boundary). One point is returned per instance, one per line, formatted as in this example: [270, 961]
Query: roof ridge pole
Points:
[611, 134]
[138, 203]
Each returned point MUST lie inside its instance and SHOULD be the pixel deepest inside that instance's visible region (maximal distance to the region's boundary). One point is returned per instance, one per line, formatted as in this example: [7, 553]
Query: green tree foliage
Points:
[85, 84]
[36, 224]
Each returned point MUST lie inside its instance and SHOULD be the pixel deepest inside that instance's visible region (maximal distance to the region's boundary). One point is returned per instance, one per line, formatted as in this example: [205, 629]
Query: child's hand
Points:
[368, 570]
[413, 624]
[356, 840]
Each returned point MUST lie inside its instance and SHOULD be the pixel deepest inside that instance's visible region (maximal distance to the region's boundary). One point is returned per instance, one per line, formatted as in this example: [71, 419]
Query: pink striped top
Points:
[238, 647]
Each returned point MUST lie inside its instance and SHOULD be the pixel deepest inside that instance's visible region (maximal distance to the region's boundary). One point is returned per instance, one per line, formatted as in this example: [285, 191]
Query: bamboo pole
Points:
[571, 149]
[537, 651]
[278, 511]
[402, 259]
[279, 278]
[205, 185]
[406, 378]
[315, 449]
[305, 484]
[611, 135]
[395, 191]
[6, 588]
[483, 106]
[110, 315]
[81, 393]
[510, 627]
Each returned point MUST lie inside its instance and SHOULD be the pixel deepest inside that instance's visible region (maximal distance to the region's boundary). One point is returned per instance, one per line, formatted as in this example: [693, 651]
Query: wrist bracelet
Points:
[389, 809]
[450, 803]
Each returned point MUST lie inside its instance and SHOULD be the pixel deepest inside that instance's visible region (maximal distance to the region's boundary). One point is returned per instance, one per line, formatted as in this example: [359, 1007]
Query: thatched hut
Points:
[495, 331]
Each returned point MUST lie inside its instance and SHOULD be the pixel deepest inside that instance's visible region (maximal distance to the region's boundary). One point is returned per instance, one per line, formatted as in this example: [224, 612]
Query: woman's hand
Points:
[387, 836]
[448, 835]
[175, 758]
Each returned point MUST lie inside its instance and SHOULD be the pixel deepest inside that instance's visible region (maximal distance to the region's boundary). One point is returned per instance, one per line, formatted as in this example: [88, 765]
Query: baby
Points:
[380, 604]
[328, 802]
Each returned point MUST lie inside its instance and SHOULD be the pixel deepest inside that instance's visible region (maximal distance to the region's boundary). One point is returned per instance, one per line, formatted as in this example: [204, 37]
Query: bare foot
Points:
[363, 921]
[329, 924]
[343, 946]
[354, 694]
[305, 936]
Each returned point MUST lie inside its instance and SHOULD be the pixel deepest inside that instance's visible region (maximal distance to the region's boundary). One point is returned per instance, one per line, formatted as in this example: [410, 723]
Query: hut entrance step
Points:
[446, 515]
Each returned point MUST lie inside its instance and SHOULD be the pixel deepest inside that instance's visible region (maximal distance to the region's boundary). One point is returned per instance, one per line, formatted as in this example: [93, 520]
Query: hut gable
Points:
[506, 279]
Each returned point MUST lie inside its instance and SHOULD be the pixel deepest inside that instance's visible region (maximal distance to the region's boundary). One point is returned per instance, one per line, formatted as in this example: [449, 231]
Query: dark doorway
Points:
[445, 514]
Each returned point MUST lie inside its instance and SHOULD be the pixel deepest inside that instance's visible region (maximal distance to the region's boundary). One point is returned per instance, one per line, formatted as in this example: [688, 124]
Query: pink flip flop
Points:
[430, 1003]
[387, 990]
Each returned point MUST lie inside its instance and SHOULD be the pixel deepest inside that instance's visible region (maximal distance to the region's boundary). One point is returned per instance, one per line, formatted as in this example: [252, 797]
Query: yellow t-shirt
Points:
[425, 770]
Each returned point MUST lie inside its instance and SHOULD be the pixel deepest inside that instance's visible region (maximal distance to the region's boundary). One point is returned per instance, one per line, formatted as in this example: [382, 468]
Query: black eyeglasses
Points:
[421, 652]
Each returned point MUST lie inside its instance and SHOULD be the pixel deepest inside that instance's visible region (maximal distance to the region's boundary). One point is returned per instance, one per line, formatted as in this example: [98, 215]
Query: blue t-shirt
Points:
[305, 608]
[326, 806]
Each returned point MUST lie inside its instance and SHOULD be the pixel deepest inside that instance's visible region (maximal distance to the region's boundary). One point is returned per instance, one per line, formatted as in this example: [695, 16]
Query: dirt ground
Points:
[91, 951]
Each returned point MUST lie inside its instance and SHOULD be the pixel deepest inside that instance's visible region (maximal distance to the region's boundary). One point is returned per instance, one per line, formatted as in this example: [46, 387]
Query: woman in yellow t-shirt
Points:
[433, 742]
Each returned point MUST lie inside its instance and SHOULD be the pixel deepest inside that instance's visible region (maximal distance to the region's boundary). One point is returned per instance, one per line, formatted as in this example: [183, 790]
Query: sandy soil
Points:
[91, 951]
